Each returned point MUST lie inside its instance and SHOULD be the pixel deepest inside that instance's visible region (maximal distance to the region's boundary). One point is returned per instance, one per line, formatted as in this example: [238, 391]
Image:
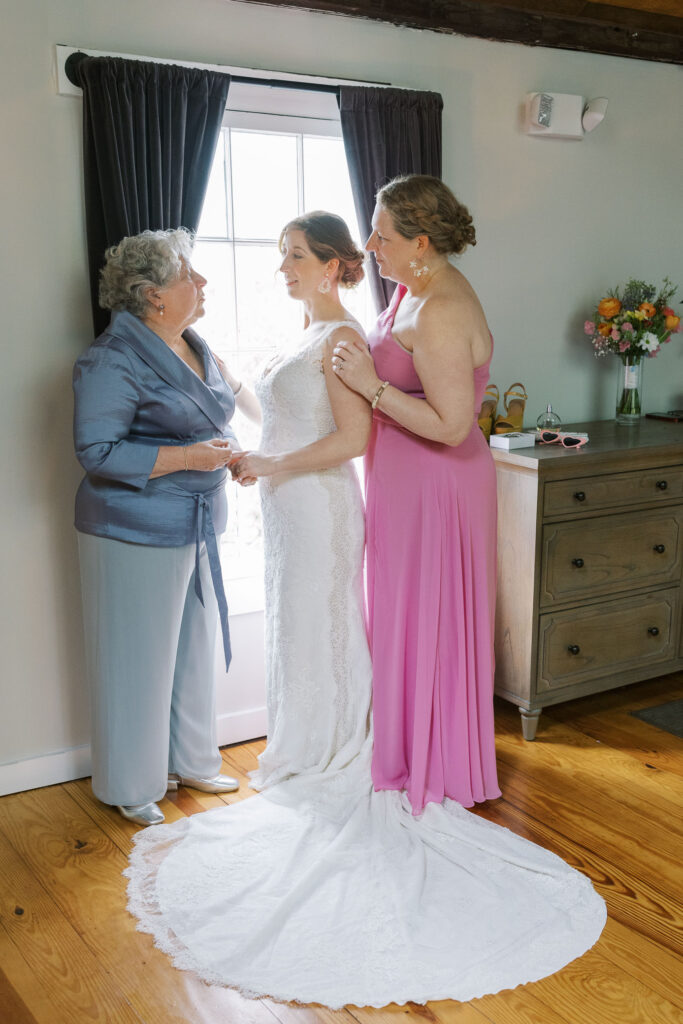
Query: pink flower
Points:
[624, 346]
[615, 334]
[627, 326]
[589, 328]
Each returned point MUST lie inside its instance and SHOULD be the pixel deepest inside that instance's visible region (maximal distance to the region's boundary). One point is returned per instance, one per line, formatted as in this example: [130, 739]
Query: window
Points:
[269, 167]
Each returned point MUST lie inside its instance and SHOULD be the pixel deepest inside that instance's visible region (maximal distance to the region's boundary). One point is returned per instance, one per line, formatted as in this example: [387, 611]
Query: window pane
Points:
[327, 187]
[264, 181]
[214, 261]
[266, 316]
[247, 367]
[359, 301]
[241, 544]
[214, 220]
[326, 181]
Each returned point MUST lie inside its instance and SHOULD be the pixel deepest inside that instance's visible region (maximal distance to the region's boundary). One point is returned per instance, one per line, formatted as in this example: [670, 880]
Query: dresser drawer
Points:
[595, 557]
[588, 643]
[614, 490]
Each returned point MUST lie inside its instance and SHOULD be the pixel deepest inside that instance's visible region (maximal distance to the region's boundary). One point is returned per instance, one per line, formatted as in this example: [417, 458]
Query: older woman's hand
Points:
[352, 363]
[206, 456]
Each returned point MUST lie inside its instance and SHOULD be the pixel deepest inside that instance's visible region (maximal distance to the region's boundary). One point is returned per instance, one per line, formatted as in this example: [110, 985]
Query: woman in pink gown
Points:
[431, 505]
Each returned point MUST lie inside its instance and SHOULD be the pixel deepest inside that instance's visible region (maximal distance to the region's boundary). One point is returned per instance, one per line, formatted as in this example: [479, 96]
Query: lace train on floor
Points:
[322, 890]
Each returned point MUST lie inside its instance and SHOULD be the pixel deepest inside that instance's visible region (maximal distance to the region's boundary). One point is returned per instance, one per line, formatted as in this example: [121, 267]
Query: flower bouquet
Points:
[633, 323]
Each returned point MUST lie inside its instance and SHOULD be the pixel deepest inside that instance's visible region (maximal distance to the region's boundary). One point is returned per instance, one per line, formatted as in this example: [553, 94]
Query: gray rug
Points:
[665, 716]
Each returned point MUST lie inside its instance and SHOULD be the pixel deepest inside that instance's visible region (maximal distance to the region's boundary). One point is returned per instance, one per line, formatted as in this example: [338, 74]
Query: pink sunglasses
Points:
[566, 440]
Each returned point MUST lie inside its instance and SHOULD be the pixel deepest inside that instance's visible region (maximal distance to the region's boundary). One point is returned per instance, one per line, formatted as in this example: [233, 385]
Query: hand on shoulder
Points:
[345, 333]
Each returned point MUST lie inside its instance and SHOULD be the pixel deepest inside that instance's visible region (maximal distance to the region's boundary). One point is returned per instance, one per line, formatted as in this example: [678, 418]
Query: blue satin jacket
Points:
[133, 394]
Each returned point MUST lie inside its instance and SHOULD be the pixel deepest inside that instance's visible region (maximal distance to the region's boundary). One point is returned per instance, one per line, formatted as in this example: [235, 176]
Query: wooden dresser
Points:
[590, 564]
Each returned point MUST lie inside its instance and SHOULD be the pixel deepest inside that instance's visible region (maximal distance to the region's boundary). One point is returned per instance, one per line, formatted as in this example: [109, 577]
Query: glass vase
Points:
[629, 389]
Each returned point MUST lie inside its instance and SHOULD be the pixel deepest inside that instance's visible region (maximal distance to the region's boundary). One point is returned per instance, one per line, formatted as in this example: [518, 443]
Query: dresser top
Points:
[609, 441]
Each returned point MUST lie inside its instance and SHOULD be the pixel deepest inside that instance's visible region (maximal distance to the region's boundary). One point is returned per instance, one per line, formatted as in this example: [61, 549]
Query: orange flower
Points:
[647, 308]
[604, 329]
[609, 307]
[672, 322]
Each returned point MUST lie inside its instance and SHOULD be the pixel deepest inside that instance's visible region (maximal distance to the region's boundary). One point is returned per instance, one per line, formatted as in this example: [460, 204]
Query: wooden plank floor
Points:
[599, 787]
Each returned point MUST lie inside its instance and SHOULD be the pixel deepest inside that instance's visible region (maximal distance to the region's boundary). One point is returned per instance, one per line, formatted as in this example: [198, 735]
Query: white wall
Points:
[557, 222]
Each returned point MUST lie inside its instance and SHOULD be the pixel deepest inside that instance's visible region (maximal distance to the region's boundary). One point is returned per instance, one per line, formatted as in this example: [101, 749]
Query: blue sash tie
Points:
[206, 533]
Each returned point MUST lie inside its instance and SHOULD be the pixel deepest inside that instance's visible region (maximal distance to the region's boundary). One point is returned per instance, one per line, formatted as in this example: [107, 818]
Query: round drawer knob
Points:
[581, 495]
[662, 485]
[659, 548]
[578, 562]
[574, 649]
[653, 631]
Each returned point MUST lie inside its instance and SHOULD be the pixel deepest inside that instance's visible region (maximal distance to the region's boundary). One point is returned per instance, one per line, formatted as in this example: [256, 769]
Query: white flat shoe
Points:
[218, 784]
[142, 814]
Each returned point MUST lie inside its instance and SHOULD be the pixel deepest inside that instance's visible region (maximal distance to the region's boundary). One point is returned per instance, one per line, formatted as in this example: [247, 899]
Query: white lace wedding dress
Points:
[318, 672]
[319, 889]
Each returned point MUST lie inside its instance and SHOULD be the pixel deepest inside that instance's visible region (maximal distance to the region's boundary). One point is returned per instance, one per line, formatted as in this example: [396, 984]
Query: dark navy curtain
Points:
[149, 136]
[387, 132]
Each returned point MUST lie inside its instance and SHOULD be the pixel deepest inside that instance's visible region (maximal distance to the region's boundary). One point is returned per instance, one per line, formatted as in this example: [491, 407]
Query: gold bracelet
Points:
[378, 394]
[185, 457]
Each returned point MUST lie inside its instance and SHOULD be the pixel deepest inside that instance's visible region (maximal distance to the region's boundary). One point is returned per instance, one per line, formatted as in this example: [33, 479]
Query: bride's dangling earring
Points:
[324, 287]
[417, 270]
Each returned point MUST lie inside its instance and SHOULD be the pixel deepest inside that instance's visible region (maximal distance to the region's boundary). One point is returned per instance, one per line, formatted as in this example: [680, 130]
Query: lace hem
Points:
[422, 915]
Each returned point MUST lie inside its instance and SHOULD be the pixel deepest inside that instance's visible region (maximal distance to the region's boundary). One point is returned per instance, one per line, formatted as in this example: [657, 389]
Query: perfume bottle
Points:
[548, 420]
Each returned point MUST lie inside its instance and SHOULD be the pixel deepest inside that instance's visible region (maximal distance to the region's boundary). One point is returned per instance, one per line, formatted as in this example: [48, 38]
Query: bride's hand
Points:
[245, 481]
[352, 363]
[246, 467]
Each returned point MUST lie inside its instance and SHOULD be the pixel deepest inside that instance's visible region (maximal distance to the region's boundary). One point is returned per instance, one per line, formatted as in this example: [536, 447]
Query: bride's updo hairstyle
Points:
[419, 204]
[329, 238]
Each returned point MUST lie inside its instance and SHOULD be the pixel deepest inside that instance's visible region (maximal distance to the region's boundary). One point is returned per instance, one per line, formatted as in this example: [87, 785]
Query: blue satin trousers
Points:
[150, 658]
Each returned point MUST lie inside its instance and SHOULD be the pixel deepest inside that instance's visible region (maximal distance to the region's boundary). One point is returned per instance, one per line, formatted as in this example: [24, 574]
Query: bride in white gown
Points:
[320, 889]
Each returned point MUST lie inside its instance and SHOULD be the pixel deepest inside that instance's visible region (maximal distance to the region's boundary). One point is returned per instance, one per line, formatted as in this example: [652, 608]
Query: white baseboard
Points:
[46, 770]
[240, 726]
[65, 765]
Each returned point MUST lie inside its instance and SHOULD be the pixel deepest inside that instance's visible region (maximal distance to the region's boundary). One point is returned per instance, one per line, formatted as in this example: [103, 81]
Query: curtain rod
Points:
[74, 59]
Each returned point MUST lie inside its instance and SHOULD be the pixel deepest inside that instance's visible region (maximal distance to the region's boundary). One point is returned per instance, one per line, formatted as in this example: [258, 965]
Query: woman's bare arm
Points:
[442, 355]
[245, 399]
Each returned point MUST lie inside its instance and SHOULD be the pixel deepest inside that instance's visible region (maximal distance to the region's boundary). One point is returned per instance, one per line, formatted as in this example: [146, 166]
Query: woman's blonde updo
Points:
[329, 238]
[419, 204]
[152, 259]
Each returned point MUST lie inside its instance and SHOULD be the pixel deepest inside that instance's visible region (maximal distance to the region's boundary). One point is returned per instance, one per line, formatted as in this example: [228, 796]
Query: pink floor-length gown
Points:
[431, 552]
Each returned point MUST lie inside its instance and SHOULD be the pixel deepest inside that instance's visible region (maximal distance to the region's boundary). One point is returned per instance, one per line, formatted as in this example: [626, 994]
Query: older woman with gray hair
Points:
[152, 432]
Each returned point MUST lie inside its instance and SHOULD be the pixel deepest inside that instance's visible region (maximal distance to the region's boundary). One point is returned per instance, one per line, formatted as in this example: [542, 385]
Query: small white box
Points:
[513, 440]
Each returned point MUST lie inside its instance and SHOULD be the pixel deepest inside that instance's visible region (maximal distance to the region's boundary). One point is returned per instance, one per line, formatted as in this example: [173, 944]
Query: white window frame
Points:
[266, 109]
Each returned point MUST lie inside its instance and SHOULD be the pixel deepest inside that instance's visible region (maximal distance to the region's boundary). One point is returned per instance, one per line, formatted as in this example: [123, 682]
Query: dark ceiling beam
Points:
[572, 25]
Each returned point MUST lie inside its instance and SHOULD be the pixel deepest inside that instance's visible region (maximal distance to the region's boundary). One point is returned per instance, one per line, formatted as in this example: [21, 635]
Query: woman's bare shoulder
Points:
[455, 289]
[451, 298]
[349, 330]
[454, 308]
